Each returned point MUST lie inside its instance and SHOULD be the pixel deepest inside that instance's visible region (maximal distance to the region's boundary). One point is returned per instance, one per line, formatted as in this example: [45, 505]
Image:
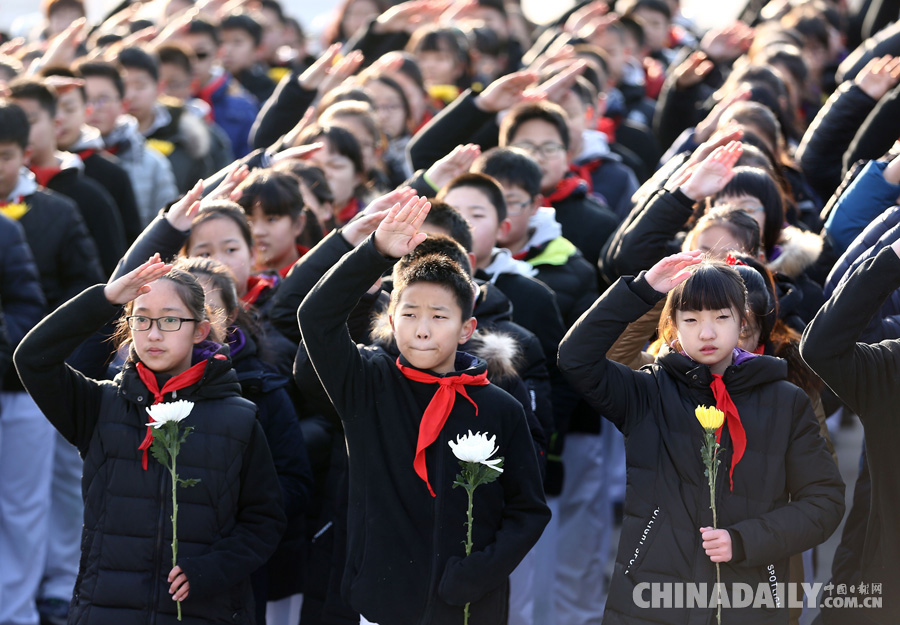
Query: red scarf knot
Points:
[178, 382]
[733, 421]
[438, 409]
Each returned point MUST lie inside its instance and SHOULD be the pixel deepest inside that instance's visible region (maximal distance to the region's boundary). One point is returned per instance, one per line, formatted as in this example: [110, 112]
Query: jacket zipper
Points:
[429, 603]
[157, 553]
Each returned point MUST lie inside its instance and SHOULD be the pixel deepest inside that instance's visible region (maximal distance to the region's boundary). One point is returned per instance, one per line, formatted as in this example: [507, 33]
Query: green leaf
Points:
[160, 452]
[190, 482]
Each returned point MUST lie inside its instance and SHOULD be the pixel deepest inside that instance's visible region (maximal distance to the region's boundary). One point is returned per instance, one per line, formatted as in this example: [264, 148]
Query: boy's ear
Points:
[468, 329]
[504, 228]
[472, 263]
[536, 203]
[201, 331]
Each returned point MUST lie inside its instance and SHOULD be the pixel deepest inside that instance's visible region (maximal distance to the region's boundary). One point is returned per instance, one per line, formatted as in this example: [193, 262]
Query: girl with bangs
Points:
[779, 490]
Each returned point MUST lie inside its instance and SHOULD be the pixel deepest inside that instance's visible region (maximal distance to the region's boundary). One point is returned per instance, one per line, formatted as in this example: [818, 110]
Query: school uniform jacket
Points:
[228, 524]
[787, 497]
[865, 377]
[404, 547]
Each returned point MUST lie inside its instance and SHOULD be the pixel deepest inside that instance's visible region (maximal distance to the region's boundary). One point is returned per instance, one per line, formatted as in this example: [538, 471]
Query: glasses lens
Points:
[201, 56]
[139, 323]
[169, 324]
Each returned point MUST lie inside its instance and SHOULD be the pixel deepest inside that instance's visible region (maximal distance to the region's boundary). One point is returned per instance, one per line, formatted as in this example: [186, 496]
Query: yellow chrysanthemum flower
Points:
[710, 418]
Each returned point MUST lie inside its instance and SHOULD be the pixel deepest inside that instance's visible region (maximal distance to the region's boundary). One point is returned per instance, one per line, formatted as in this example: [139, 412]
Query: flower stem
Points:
[470, 491]
[175, 522]
[713, 474]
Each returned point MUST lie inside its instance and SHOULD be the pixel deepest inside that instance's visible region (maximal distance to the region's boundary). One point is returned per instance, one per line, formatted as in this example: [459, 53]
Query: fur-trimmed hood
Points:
[499, 350]
[798, 250]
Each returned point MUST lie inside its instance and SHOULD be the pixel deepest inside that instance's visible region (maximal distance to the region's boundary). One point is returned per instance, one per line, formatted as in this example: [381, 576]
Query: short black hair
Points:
[10, 67]
[14, 126]
[246, 23]
[548, 112]
[200, 26]
[175, 54]
[482, 182]
[759, 184]
[437, 269]
[34, 89]
[136, 58]
[510, 167]
[658, 6]
[275, 192]
[102, 69]
[440, 244]
[310, 175]
[342, 141]
[444, 216]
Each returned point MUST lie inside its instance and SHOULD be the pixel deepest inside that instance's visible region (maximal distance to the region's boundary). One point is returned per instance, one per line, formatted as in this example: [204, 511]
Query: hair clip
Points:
[732, 260]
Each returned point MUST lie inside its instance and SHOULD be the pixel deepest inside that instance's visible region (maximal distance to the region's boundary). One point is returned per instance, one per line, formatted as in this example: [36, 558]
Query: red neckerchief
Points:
[608, 126]
[112, 149]
[283, 272]
[83, 154]
[438, 409]
[348, 212]
[586, 171]
[733, 420]
[178, 382]
[760, 349]
[43, 175]
[257, 284]
[565, 188]
[206, 93]
[425, 119]
[19, 200]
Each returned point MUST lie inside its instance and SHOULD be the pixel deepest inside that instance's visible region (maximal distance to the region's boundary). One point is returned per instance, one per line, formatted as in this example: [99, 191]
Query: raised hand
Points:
[360, 228]
[584, 16]
[181, 214]
[505, 92]
[555, 88]
[341, 71]
[301, 152]
[136, 282]
[713, 173]
[408, 16]
[398, 234]
[672, 270]
[879, 76]
[457, 162]
[692, 70]
[726, 43]
[63, 48]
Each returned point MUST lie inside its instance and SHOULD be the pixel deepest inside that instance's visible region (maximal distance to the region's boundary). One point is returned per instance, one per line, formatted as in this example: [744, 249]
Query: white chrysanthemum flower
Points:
[476, 448]
[172, 411]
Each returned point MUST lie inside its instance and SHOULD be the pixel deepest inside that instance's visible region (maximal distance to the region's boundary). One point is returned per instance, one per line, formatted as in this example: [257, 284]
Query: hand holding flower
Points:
[180, 586]
[717, 544]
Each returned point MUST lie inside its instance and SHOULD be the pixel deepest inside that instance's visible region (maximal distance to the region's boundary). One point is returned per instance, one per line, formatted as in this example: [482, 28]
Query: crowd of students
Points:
[349, 248]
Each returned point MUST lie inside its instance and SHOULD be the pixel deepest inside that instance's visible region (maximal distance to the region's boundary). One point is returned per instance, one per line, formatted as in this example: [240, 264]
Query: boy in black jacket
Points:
[405, 527]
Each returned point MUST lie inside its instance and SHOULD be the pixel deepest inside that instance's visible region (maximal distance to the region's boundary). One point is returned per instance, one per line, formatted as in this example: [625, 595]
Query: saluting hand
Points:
[398, 234]
[136, 282]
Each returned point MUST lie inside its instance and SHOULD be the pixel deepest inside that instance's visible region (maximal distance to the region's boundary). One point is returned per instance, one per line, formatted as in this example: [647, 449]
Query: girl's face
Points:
[357, 14]
[367, 143]
[388, 106]
[275, 237]
[221, 239]
[339, 171]
[709, 336]
[168, 353]
[439, 67]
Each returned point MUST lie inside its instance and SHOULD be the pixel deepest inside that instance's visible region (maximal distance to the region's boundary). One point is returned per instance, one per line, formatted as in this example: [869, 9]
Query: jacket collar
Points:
[747, 373]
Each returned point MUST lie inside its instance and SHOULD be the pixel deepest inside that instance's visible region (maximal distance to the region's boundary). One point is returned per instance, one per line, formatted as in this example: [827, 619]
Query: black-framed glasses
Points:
[515, 207]
[140, 323]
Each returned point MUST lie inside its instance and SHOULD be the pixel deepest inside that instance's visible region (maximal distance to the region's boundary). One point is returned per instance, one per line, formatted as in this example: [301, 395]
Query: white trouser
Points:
[66, 520]
[522, 590]
[284, 611]
[26, 465]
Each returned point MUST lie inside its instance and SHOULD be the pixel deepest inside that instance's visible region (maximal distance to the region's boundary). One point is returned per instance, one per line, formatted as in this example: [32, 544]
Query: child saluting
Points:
[779, 491]
[228, 524]
[406, 529]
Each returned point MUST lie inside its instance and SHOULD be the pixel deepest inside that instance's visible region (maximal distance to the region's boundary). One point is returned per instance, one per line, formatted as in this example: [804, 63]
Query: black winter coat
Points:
[788, 495]
[105, 169]
[229, 523]
[405, 547]
[865, 377]
[20, 289]
[99, 212]
[65, 253]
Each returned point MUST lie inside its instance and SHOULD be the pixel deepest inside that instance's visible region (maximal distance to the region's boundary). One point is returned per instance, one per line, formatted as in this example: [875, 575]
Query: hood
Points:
[219, 379]
[595, 146]
[491, 305]
[544, 227]
[67, 160]
[175, 124]
[748, 370]
[557, 253]
[89, 139]
[125, 137]
[798, 251]
[499, 350]
[502, 262]
[25, 186]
